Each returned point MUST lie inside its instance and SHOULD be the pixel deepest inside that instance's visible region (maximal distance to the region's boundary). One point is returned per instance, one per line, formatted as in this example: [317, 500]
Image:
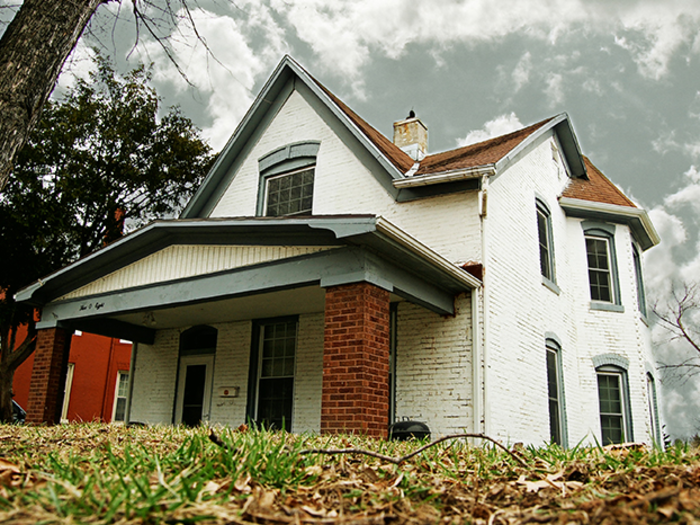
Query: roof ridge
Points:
[500, 138]
[482, 153]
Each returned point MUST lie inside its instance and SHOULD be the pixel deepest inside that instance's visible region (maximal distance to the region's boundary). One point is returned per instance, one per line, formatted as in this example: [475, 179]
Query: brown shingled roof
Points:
[597, 188]
[390, 150]
[473, 155]
[479, 154]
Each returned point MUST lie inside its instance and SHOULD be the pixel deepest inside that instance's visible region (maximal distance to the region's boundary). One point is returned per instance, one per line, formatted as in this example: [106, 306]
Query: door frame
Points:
[190, 360]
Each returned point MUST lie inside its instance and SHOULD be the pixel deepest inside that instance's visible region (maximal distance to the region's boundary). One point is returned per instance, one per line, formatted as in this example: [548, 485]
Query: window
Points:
[554, 392]
[274, 365]
[602, 266]
[612, 420]
[599, 269]
[287, 180]
[653, 409]
[613, 398]
[544, 233]
[641, 298]
[120, 394]
[290, 193]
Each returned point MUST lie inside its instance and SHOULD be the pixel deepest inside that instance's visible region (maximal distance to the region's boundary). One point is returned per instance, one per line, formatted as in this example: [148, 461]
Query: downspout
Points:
[483, 215]
[477, 402]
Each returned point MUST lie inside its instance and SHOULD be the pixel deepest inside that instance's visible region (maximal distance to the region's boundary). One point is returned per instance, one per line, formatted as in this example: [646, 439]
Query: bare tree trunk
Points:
[10, 359]
[32, 52]
[6, 378]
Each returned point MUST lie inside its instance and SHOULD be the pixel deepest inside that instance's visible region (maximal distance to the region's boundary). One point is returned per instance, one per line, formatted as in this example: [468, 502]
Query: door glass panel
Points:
[193, 400]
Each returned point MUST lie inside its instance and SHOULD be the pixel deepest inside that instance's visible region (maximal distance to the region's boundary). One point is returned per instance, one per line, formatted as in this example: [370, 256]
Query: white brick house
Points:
[327, 279]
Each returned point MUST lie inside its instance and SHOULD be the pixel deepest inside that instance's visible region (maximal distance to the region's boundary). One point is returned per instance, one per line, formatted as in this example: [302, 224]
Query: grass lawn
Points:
[92, 473]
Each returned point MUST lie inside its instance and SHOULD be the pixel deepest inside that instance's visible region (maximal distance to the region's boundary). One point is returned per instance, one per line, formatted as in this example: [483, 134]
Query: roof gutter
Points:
[395, 234]
[445, 176]
[634, 216]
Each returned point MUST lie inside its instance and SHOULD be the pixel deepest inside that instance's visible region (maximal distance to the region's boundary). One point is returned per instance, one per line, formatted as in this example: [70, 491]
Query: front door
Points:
[194, 390]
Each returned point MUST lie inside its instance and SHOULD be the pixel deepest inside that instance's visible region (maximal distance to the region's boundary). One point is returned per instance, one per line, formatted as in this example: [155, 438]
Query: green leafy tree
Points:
[100, 157]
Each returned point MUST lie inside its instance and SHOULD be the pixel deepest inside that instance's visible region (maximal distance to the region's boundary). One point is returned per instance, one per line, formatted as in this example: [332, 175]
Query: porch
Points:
[329, 281]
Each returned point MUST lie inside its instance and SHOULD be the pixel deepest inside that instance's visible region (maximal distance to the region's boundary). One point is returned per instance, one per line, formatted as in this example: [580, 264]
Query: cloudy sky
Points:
[627, 73]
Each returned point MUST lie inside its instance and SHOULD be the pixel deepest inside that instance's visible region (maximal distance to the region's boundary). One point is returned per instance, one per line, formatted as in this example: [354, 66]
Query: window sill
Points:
[643, 318]
[607, 307]
[551, 285]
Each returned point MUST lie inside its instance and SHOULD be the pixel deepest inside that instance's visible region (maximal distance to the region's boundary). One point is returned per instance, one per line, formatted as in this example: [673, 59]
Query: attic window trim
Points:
[290, 157]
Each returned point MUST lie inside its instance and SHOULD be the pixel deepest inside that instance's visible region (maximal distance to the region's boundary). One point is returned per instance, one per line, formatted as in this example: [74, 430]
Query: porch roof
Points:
[357, 248]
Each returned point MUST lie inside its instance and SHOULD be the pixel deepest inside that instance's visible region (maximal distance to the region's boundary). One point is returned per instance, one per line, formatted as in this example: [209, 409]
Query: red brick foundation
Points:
[52, 346]
[355, 396]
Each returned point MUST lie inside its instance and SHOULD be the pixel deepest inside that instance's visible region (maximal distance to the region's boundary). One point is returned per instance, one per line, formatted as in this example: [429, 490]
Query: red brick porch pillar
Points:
[52, 348]
[355, 396]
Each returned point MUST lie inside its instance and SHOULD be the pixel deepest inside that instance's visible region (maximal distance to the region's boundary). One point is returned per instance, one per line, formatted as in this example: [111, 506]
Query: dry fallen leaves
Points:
[451, 485]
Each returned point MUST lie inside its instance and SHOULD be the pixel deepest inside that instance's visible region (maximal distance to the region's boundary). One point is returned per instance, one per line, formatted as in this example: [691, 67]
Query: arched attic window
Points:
[286, 184]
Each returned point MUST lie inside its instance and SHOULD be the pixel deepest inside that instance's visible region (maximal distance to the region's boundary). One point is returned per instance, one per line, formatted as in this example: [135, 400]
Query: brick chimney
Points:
[411, 136]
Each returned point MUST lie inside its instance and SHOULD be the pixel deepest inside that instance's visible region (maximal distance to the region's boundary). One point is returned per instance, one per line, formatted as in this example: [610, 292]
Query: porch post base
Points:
[52, 348]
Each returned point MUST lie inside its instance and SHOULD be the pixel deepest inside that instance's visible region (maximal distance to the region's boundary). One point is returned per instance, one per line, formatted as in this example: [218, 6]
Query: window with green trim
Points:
[287, 180]
[653, 409]
[276, 356]
[602, 266]
[641, 297]
[599, 269]
[544, 234]
[613, 398]
[554, 389]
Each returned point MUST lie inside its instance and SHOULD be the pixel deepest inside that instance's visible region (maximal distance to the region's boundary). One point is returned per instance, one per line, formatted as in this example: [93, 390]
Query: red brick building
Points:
[96, 379]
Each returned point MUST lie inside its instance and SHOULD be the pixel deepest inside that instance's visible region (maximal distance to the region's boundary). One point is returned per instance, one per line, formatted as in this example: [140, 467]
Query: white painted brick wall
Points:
[522, 311]
[308, 380]
[434, 367]
[231, 370]
[155, 369]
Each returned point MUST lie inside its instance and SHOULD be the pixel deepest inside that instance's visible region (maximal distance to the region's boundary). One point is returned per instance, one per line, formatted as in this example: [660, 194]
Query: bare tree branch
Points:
[676, 316]
[399, 460]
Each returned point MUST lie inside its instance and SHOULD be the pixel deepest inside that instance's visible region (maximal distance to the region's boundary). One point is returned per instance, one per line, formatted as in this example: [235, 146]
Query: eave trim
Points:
[445, 177]
[637, 218]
